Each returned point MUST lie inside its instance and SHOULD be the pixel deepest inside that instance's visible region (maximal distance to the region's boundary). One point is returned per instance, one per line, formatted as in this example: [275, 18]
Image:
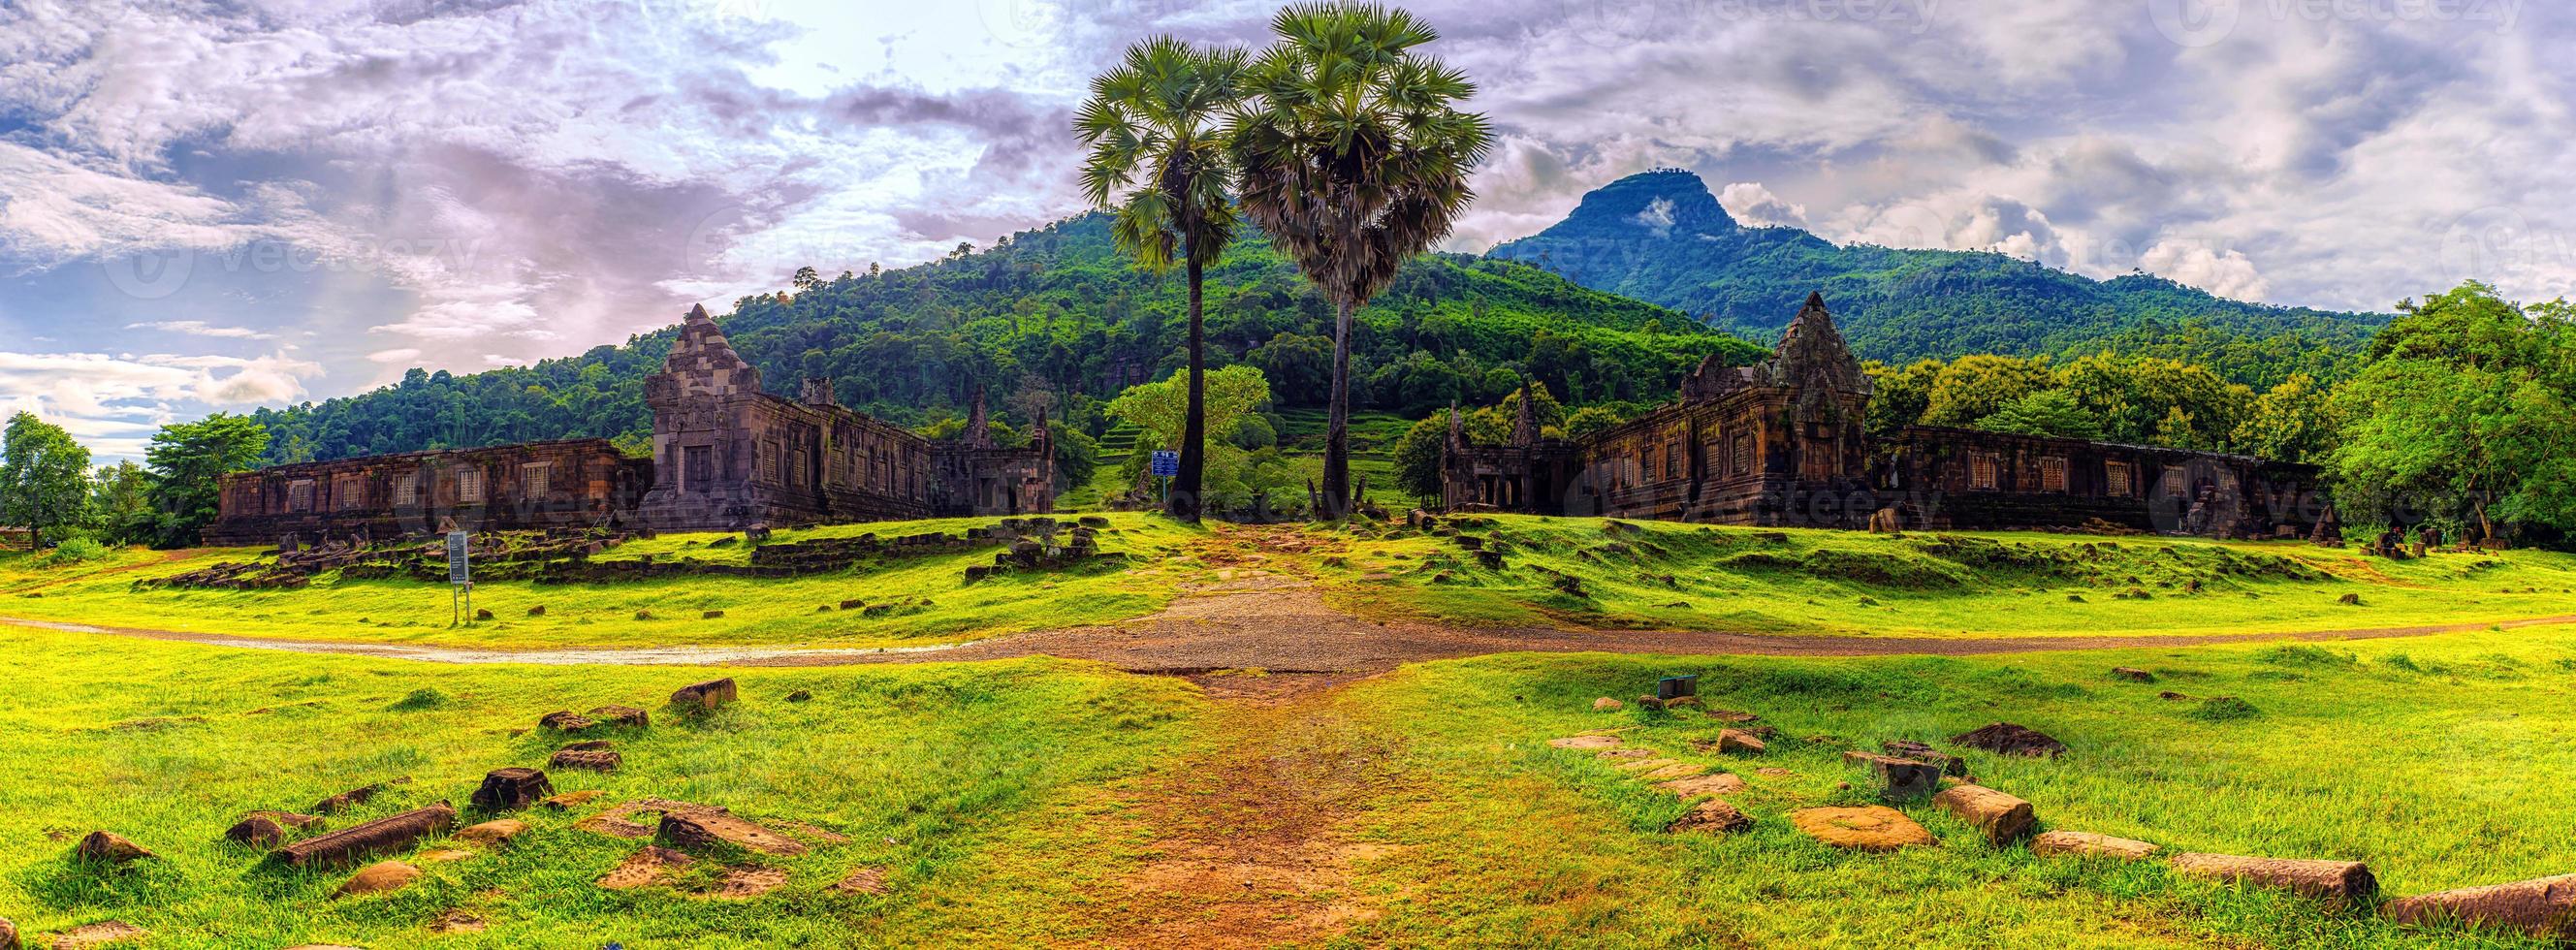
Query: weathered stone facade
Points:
[1783, 443]
[535, 485]
[726, 455]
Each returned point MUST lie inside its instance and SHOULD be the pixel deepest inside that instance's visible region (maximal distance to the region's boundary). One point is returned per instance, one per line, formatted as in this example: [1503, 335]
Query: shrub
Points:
[420, 699]
[2223, 709]
[75, 550]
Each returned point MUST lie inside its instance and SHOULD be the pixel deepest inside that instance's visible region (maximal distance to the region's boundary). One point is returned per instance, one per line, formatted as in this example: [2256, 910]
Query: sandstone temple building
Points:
[1783, 443]
[726, 455]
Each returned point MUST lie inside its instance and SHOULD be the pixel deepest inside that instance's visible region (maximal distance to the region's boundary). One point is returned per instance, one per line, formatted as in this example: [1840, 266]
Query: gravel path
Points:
[1280, 624]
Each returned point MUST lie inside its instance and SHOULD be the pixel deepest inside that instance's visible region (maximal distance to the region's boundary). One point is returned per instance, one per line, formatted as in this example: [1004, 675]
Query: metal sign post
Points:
[461, 576]
[1167, 463]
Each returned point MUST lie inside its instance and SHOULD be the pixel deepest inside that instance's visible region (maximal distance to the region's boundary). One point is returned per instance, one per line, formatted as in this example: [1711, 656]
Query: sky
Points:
[219, 205]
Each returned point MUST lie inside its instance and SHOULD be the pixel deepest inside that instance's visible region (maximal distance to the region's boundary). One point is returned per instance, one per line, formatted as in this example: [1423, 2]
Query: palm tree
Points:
[1351, 152]
[1156, 127]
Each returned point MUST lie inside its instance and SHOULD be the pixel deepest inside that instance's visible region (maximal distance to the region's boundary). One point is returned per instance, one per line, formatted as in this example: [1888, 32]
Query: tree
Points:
[806, 279]
[2289, 423]
[1162, 408]
[1971, 388]
[188, 459]
[120, 500]
[44, 477]
[2463, 414]
[1354, 158]
[2049, 412]
[1156, 128]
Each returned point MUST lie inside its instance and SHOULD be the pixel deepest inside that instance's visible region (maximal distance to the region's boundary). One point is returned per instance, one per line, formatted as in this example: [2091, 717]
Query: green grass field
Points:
[1015, 802]
[1694, 577]
[931, 602]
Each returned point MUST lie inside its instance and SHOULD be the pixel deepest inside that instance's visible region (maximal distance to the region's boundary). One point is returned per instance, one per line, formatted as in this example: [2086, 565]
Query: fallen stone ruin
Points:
[1906, 770]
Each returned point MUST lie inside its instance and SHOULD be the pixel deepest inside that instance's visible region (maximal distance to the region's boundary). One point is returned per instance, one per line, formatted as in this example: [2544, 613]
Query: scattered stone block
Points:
[744, 883]
[565, 721]
[1909, 749]
[569, 800]
[1869, 828]
[2089, 845]
[482, 614]
[2004, 738]
[585, 760]
[2339, 881]
[108, 847]
[702, 697]
[2544, 907]
[2133, 674]
[1698, 785]
[456, 922]
[1584, 742]
[1739, 742]
[2351, 600]
[441, 856]
[1623, 753]
[1899, 779]
[586, 745]
[1605, 704]
[652, 865]
[853, 604]
[624, 716]
[537, 611]
[1711, 815]
[379, 878]
[1674, 771]
[99, 934]
[259, 831]
[352, 798]
[1644, 765]
[643, 615]
[712, 615]
[2171, 696]
[511, 789]
[2001, 818]
[1733, 716]
[1773, 772]
[801, 695]
[8, 935]
[391, 833]
[869, 880]
[699, 829]
[499, 831]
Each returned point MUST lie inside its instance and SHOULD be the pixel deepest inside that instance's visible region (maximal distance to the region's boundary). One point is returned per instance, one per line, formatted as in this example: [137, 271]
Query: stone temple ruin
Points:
[1783, 443]
[726, 456]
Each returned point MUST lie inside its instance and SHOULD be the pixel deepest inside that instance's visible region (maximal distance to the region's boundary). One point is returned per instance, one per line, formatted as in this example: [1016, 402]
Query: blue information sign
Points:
[1167, 463]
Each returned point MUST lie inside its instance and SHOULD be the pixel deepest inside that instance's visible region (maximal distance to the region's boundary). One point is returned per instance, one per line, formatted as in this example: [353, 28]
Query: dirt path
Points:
[1280, 624]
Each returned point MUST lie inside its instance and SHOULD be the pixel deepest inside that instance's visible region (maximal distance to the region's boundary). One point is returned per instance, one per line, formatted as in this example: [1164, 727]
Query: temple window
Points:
[1743, 454]
[348, 491]
[2052, 473]
[2115, 479]
[299, 495]
[469, 486]
[534, 479]
[1673, 461]
[1817, 460]
[1983, 471]
[769, 453]
[2173, 481]
[697, 467]
[1646, 465]
[407, 489]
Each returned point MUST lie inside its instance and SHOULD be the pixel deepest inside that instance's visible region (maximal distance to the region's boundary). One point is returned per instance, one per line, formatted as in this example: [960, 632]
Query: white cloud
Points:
[201, 328]
[2227, 273]
[1750, 203]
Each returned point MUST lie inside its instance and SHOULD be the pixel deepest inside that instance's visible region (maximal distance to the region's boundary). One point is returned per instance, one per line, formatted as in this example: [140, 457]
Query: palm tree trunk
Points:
[1337, 430]
[1184, 501]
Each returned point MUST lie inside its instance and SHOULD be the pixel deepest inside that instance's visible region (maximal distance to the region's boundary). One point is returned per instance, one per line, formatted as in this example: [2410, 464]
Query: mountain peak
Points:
[1663, 203]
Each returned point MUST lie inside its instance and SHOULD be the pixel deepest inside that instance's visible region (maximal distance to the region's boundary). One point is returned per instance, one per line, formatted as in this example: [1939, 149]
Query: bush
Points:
[2224, 709]
[75, 550]
[420, 699]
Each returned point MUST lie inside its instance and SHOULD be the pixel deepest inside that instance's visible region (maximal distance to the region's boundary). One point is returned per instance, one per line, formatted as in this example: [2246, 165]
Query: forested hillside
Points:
[1060, 309]
[1661, 237]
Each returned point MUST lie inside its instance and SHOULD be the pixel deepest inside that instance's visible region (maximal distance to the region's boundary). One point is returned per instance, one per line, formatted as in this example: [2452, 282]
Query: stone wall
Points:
[536, 485]
[1783, 443]
[726, 456]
